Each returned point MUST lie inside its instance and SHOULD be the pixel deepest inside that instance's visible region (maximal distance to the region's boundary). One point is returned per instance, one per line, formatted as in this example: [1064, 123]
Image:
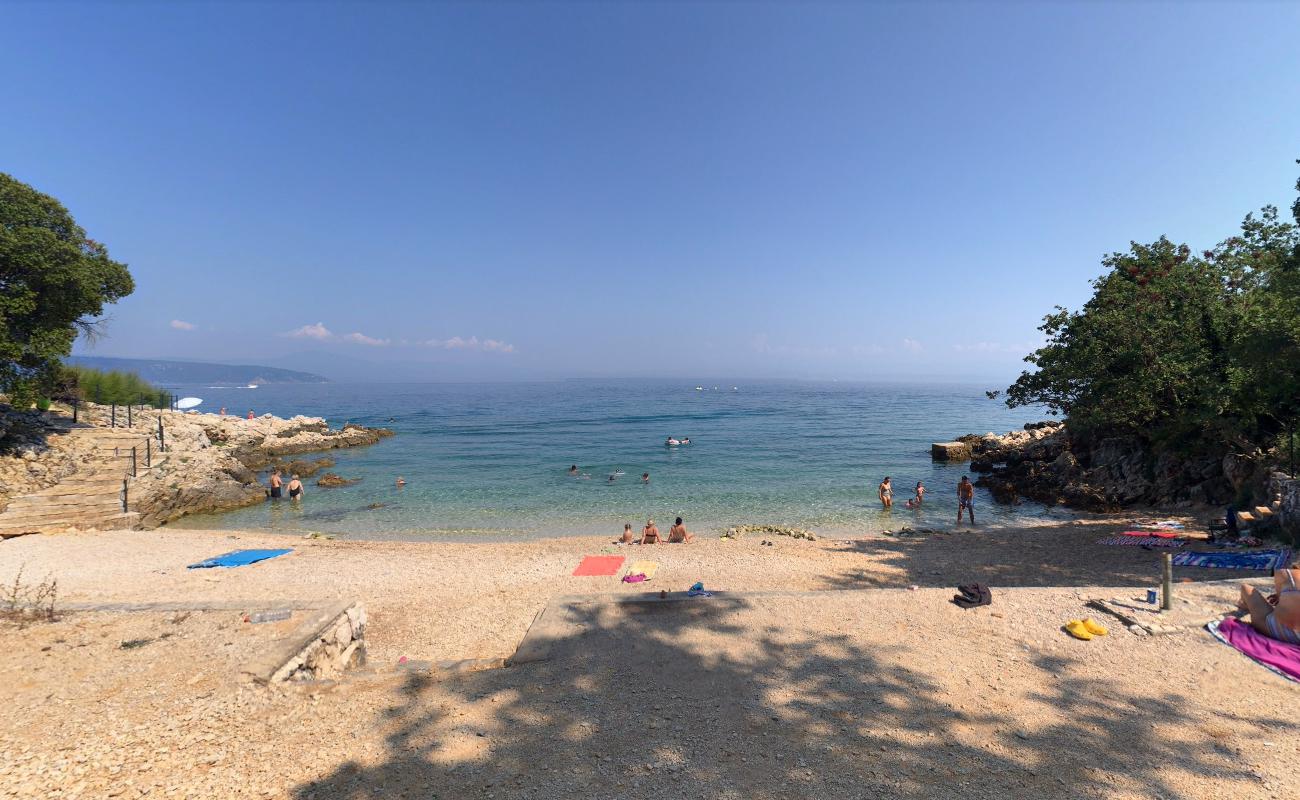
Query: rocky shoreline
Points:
[209, 464]
[1044, 463]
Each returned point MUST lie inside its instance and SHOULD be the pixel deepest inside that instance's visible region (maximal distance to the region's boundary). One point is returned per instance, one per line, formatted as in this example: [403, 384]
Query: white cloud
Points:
[361, 338]
[762, 345]
[912, 346]
[472, 343]
[318, 332]
[182, 325]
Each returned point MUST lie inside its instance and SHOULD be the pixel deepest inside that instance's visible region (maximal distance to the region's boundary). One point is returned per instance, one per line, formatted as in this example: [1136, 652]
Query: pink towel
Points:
[1280, 657]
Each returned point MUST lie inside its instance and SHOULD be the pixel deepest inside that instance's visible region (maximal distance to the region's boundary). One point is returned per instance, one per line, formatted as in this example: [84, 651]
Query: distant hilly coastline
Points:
[192, 372]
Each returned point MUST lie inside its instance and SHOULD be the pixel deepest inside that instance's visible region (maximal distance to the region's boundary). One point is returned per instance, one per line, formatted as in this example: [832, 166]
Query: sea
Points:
[491, 462]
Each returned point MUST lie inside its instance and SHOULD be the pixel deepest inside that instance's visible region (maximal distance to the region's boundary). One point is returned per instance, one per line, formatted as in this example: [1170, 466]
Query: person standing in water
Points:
[886, 492]
[276, 483]
[965, 499]
[295, 488]
[645, 477]
[920, 494]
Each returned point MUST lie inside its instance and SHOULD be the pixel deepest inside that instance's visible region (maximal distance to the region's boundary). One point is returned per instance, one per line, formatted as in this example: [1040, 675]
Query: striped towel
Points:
[1262, 560]
[1149, 541]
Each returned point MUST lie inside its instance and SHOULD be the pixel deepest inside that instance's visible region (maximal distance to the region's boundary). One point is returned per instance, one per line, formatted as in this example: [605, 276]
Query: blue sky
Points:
[852, 191]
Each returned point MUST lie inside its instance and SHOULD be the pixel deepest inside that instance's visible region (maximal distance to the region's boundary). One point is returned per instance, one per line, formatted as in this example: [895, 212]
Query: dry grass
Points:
[24, 603]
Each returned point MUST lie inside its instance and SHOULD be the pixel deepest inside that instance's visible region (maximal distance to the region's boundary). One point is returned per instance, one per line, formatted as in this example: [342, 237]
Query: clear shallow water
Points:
[490, 461]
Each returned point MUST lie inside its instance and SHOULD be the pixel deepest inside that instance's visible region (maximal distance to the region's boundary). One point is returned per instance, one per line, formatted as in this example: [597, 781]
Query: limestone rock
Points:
[950, 451]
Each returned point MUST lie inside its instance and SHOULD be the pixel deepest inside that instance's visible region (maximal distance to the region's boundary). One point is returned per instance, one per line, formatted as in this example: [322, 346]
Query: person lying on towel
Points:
[1277, 617]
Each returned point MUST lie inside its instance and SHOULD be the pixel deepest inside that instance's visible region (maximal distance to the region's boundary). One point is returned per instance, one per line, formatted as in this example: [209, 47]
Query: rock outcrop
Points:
[1044, 463]
[208, 463]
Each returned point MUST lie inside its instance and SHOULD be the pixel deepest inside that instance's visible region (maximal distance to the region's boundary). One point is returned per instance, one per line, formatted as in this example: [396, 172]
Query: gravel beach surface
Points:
[820, 669]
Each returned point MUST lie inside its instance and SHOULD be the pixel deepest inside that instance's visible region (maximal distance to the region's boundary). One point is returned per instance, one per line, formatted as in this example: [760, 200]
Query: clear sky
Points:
[852, 191]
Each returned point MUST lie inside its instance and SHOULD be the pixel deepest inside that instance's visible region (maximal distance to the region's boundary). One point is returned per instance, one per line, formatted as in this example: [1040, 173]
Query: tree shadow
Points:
[697, 699]
[1060, 556]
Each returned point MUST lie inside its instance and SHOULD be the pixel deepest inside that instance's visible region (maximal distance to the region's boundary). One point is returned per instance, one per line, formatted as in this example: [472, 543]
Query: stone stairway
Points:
[91, 497]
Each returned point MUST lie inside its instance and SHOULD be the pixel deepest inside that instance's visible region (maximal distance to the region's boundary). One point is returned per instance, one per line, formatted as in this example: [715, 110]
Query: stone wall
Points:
[331, 641]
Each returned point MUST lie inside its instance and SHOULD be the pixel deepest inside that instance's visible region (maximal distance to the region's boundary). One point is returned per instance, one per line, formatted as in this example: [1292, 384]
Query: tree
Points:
[54, 284]
[1197, 352]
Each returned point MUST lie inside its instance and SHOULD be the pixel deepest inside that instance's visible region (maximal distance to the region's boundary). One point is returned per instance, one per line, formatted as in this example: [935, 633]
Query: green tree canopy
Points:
[1185, 350]
[54, 283]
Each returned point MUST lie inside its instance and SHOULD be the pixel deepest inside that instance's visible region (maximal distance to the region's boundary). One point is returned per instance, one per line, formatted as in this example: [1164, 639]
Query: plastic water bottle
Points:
[269, 616]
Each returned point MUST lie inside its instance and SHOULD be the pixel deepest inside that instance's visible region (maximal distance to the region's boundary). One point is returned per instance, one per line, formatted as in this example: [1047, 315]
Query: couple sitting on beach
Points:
[1276, 616]
[677, 534]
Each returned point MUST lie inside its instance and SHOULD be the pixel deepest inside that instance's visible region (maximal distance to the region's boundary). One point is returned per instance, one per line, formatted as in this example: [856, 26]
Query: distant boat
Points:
[251, 386]
[699, 388]
[735, 389]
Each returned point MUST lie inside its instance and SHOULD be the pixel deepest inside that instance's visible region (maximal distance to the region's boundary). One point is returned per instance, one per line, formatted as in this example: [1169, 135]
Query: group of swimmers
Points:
[673, 441]
[677, 534]
[574, 472]
[965, 496]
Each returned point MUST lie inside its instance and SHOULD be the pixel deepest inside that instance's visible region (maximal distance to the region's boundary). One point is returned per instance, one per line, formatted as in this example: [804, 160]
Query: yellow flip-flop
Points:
[1094, 628]
[1075, 628]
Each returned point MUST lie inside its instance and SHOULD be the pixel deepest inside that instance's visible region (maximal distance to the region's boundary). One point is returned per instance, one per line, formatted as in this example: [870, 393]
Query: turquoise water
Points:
[490, 461]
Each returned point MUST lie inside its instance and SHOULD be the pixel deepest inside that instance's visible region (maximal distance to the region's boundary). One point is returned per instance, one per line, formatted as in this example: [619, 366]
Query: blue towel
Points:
[1263, 560]
[238, 558]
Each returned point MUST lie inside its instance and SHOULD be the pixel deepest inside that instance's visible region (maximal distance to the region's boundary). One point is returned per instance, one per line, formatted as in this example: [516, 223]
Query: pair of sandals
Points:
[767, 542]
[1084, 629]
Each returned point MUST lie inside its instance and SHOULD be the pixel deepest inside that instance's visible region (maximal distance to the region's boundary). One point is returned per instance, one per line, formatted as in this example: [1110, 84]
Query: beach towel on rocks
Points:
[633, 578]
[239, 558]
[1149, 541]
[1161, 534]
[971, 595]
[1279, 657]
[598, 566]
[646, 568]
[1264, 560]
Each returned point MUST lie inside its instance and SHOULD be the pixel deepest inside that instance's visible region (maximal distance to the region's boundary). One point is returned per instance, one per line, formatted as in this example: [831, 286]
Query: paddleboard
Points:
[188, 402]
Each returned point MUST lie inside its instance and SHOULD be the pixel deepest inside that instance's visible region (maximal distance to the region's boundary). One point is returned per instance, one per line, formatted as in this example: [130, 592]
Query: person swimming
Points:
[672, 442]
[400, 481]
[573, 470]
[645, 477]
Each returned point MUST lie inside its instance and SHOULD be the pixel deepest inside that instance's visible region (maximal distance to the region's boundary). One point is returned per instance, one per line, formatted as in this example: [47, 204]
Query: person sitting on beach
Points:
[295, 488]
[276, 483]
[649, 534]
[678, 533]
[886, 492]
[627, 534]
[645, 477]
[1279, 619]
[965, 499]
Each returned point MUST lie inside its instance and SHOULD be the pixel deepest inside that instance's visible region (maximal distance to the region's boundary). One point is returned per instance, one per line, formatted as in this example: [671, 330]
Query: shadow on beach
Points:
[722, 700]
[1055, 555]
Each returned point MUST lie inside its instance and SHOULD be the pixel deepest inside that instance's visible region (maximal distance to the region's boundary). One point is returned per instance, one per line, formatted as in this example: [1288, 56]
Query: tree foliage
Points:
[1184, 349]
[54, 284]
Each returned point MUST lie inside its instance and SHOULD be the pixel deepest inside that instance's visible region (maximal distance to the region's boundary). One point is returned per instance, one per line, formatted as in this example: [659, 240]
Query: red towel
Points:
[1160, 534]
[599, 565]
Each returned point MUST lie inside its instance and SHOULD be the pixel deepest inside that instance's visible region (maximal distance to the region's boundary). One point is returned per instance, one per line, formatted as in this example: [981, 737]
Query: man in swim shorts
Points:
[276, 483]
[1279, 619]
[965, 499]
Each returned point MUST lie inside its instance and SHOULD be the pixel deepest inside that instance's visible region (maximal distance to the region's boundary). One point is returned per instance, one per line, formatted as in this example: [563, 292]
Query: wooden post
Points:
[1167, 583]
[124, 497]
[129, 421]
[112, 419]
[148, 453]
[132, 462]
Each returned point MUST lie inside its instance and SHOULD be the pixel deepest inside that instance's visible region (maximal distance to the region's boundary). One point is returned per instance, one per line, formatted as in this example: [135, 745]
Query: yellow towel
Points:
[646, 568]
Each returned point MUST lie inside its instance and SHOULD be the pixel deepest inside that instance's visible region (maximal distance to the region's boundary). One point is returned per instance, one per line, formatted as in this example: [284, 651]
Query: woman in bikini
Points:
[649, 534]
[1280, 621]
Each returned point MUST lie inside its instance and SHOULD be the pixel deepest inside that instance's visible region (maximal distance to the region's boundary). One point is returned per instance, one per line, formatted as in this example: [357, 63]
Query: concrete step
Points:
[119, 521]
